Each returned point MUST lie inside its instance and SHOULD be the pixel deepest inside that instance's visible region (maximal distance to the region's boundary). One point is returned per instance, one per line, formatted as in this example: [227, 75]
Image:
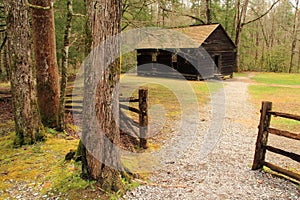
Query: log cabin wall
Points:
[213, 38]
[222, 50]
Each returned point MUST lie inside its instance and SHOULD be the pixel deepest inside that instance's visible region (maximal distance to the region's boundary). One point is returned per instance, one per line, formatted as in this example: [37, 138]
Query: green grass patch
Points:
[171, 94]
[168, 99]
[278, 78]
[286, 124]
[240, 74]
[4, 84]
[42, 167]
[284, 100]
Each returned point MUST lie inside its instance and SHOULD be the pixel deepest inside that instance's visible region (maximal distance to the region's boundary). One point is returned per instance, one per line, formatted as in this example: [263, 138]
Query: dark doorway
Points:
[217, 61]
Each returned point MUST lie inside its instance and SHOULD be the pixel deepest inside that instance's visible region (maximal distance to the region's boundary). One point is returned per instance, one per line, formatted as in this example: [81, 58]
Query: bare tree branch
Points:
[261, 16]
[134, 15]
[38, 7]
[183, 14]
[78, 15]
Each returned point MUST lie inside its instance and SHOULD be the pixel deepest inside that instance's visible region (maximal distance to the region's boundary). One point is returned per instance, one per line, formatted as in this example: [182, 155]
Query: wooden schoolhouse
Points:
[209, 52]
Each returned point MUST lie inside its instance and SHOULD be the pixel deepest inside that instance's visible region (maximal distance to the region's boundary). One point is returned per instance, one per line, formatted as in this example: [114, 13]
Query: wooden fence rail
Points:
[126, 124]
[142, 111]
[262, 139]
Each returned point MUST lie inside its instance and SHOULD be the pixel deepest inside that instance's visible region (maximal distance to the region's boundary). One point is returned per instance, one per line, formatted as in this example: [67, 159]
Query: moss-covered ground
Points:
[40, 170]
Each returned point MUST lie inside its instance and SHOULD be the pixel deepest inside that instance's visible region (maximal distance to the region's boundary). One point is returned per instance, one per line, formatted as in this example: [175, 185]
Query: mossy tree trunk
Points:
[101, 159]
[45, 61]
[27, 120]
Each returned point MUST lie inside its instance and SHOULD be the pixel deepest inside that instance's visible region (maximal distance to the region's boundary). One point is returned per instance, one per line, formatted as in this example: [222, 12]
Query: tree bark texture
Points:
[240, 17]
[5, 63]
[101, 160]
[27, 120]
[294, 37]
[45, 61]
[64, 68]
[3, 74]
[207, 11]
[298, 63]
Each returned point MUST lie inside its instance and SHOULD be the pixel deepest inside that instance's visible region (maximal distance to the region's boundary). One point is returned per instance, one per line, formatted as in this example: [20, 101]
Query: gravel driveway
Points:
[226, 172]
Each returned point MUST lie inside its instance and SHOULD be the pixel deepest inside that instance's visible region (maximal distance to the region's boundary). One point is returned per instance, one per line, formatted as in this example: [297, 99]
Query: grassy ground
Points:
[284, 91]
[171, 95]
[4, 85]
[278, 78]
[240, 74]
[281, 89]
[41, 168]
[168, 99]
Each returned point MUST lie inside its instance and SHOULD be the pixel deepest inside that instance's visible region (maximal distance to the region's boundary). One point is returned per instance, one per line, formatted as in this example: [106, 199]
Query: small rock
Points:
[133, 193]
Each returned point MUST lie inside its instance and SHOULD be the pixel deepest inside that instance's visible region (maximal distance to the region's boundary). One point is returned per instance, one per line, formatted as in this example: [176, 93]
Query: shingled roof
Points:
[188, 37]
[198, 33]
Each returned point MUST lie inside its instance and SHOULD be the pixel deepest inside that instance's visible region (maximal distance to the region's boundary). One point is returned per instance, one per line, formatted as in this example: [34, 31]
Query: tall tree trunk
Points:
[27, 121]
[272, 32]
[158, 14]
[207, 11]
[6, 63]
[240, 17]
[65, 63]
[262, 59]
[256, 45]
[226, 26]
[298, 63]
[45, 61]
[2, 67]
[101, 159]
[236, 16]
[294, 37]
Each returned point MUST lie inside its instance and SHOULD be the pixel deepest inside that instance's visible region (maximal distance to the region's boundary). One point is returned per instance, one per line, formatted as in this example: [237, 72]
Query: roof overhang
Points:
[165, 39]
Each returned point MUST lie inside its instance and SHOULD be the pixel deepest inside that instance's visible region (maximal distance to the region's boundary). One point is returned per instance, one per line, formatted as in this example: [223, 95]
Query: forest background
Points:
[266, 32]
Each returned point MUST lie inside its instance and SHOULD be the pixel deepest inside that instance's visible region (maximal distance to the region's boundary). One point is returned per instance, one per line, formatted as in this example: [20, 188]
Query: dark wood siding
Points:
[217, 48]
[219, 44]
[218, 41]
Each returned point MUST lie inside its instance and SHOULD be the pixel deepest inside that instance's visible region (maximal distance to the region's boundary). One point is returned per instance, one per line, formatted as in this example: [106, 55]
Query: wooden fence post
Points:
[262, 137]
[143, 117]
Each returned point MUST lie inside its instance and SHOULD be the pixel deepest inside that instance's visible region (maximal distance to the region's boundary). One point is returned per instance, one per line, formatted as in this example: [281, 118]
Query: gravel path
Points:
[226, 172]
